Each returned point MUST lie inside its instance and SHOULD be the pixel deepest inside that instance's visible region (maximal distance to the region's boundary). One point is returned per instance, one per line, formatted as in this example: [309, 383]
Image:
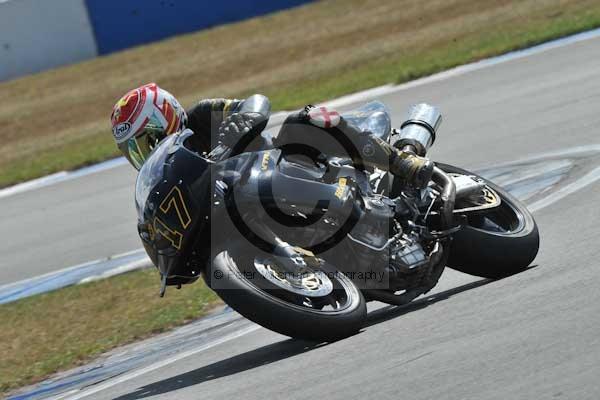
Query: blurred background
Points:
[39, 35]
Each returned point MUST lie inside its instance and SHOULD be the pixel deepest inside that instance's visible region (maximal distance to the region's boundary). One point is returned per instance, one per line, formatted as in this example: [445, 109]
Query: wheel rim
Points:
[342, 297]
[506, 219]
[307, 282]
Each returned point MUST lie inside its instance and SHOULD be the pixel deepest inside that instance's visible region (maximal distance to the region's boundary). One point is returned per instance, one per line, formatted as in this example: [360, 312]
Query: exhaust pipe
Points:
[419, 130]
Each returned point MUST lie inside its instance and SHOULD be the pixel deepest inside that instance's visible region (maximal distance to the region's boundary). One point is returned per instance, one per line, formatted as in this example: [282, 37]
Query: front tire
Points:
[501, 242]
[281, 311]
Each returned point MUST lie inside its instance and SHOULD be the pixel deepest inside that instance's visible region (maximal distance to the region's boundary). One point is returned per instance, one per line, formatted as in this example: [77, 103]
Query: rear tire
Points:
[479, 251]
[265, 307]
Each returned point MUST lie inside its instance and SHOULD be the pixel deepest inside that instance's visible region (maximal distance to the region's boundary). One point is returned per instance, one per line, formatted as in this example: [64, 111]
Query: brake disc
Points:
[306, 282]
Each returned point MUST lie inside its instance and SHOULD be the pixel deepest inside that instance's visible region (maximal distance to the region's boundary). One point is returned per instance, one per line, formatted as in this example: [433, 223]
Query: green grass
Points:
[59, 330]
[405, 67]
[77, 153]
[58, 119]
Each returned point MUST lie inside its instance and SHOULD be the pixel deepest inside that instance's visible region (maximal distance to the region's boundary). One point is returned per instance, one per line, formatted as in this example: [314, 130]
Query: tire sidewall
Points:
[277, 314]
[494, 254]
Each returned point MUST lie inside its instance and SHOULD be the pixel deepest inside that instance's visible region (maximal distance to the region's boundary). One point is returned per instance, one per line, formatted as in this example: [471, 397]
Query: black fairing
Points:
[176, 203]
[172, 200]
[267, 188]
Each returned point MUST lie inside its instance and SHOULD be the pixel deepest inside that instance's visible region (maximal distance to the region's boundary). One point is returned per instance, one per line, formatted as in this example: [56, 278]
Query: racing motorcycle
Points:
[297, 237]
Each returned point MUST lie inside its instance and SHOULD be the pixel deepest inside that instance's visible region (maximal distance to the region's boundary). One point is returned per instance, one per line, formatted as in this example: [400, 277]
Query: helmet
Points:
[144, 117]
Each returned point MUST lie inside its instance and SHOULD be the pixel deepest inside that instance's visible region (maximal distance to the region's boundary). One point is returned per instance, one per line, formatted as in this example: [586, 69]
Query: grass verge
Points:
[55, 331]
[59, 119]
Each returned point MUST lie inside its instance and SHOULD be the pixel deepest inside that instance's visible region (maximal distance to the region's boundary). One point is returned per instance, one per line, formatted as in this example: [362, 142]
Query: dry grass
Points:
[59, 330]
[59, 119]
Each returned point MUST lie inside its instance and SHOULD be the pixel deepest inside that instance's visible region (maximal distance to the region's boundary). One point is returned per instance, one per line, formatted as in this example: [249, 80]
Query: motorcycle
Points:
[297, 237]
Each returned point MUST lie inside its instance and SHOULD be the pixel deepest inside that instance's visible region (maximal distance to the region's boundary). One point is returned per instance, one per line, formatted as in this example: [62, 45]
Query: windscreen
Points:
[373, 117]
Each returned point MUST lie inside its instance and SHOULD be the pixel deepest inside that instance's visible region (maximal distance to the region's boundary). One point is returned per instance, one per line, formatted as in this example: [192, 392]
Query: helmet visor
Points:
[140, 146]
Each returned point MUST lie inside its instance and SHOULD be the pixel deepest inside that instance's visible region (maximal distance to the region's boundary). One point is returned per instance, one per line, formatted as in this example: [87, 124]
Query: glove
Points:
[235, 126]
[304, 112]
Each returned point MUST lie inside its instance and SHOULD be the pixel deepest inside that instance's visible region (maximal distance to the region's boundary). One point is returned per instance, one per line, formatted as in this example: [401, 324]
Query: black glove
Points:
[234, 127]
[304, 112]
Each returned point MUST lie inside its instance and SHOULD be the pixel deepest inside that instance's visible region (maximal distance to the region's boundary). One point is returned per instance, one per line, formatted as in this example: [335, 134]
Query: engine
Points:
[397, 251]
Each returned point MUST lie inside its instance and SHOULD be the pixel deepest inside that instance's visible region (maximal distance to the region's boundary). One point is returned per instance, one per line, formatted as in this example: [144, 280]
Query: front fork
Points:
[292, 259]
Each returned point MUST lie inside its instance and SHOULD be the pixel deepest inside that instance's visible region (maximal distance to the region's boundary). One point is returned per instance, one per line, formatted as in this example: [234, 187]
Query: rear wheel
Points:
[324, 305]
[495, 243]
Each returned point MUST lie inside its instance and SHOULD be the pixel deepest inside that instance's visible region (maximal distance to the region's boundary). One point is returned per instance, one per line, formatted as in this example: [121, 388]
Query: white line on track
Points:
[61, 177]
[69, 269]
[339, 102]
[128, 267]
[571, 151]
[582, 182]
[565, 191]
[81, 273]
[142, 371]
[466, 68]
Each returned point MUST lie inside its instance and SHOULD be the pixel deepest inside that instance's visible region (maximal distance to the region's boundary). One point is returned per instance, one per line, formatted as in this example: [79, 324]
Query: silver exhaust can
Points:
[420, 128]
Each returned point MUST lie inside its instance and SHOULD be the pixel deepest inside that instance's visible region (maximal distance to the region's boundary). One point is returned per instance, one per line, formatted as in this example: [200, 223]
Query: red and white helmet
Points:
[144, 117]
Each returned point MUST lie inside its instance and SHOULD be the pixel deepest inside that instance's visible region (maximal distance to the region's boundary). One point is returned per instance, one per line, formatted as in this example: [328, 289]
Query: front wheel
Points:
[497, 242]
[326, 306]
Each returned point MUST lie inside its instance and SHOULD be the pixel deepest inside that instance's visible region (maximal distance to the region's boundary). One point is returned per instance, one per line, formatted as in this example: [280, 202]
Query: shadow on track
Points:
[279, 351]
[230, 366]
[390, 312]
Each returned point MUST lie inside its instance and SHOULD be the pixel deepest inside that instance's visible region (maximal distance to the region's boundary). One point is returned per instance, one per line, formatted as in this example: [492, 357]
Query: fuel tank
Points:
[292, 197]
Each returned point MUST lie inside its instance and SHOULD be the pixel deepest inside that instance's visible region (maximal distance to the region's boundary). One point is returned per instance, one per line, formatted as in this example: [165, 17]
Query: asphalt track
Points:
[531, 336]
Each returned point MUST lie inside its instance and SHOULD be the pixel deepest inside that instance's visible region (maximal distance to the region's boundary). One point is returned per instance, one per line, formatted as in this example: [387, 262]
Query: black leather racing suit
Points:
[209, 116]
[205, 118]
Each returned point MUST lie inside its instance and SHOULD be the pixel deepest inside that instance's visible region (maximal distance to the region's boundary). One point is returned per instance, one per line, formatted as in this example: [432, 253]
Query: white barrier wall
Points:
[36, 35]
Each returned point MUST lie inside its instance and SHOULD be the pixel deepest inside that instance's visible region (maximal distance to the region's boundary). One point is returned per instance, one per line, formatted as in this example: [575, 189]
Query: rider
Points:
[146, 115]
